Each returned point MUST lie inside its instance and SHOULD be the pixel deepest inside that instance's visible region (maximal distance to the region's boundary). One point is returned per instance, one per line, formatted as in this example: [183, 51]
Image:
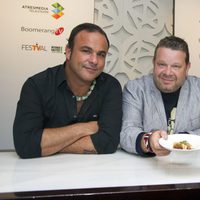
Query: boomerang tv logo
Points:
[59, 31]
[57, 11]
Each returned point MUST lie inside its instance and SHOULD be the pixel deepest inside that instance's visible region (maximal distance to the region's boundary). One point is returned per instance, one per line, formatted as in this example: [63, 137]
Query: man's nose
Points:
[93, 58]
[168, 70]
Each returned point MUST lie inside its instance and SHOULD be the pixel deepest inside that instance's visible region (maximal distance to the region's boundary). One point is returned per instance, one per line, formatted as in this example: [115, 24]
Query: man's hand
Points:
[154, 144]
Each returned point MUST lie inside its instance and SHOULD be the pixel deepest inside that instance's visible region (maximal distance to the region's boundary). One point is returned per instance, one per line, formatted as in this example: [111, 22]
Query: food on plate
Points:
[182, 145]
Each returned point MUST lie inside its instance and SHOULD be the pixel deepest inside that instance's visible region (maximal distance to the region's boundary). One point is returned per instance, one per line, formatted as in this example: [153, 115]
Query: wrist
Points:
[146, 139]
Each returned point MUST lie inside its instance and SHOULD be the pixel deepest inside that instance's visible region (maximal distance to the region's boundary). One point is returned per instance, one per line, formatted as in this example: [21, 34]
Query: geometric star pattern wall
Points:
[134, 27]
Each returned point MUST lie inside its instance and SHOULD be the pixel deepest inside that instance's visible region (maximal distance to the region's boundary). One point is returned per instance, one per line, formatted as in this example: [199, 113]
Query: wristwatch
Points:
[147, 142]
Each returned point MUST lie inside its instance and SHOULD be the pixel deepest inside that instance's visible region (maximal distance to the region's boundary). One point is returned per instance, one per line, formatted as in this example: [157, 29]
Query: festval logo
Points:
[57, 11]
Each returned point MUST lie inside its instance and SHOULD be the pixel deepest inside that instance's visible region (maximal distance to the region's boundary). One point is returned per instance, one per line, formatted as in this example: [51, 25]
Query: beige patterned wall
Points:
[187, 26]
[134, 27]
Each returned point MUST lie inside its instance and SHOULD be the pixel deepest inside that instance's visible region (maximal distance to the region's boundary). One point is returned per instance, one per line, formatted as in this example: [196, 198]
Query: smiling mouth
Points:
[91, 70]
[167, 79]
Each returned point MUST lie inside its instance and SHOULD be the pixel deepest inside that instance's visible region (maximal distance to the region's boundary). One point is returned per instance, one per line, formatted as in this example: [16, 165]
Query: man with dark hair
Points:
[74, 107]
[161, 103]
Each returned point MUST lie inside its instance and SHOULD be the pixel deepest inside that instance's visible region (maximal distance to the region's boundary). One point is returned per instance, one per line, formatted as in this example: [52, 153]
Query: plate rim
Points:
[180, 150]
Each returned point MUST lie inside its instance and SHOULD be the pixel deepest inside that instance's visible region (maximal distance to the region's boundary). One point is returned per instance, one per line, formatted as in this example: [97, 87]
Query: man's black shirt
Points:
[47, 102]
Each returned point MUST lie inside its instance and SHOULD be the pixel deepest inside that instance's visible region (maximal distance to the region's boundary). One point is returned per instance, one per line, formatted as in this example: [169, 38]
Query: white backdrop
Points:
[187, 26]
[31, 40]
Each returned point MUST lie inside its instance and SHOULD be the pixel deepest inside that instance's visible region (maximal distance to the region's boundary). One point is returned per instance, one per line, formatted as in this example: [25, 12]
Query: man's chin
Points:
[91, 77]
[168, 89]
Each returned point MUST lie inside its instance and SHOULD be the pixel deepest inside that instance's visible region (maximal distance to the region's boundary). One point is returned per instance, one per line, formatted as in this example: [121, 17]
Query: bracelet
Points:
[147, 142]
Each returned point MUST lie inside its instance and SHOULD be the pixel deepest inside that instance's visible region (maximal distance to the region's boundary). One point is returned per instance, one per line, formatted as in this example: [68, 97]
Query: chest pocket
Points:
[89, 111]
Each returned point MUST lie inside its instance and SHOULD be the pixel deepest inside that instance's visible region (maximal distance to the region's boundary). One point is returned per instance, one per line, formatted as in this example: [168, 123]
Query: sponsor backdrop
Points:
[187, 26]
[33, 35]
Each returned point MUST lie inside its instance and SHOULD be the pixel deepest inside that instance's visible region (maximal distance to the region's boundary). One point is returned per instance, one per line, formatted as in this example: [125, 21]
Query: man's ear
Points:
[188, 67]
[67, 52]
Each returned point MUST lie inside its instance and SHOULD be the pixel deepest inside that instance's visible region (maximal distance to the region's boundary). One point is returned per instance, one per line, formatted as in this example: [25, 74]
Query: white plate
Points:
[194, 140]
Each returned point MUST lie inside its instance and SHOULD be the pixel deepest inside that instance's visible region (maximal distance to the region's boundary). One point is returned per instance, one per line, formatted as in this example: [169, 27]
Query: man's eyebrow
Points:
[87, 47]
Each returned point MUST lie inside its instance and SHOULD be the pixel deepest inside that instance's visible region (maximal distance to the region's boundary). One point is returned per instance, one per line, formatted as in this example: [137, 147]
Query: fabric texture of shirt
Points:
[170, 101]
[47, 102]
[143, 110]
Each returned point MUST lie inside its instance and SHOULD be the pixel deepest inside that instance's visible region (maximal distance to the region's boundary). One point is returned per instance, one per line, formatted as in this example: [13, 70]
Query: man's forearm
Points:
[83, 145]
[56, 139]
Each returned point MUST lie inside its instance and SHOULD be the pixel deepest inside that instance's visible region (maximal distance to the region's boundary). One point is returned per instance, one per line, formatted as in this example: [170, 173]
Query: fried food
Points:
[182, 145]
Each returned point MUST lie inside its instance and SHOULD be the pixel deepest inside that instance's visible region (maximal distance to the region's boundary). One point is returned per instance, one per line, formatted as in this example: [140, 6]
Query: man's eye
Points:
[161, 64]
[86, 51]
[102, 54]
[176, 66]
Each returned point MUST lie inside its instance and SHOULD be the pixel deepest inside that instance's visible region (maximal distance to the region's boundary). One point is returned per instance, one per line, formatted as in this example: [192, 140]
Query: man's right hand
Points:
[154, 143]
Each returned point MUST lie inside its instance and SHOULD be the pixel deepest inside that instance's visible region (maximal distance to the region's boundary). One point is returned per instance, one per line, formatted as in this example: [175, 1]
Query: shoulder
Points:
[143, 82]
[193, 79]
[191, 88]
[108, 80]
[193, 82]
[139, 88]
[46, 80]
[52, 71]
[47, 76]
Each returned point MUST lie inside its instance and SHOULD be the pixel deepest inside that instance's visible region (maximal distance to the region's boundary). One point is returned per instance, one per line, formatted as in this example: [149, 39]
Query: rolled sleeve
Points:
[106, 140]
[28, 124]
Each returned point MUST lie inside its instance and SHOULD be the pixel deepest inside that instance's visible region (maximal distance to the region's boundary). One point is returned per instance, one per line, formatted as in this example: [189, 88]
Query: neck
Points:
[78, 89]
[81, 89]
[84, 97]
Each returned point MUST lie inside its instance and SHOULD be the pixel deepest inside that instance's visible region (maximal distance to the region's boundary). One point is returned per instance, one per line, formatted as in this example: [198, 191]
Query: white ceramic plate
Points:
[194, 140]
